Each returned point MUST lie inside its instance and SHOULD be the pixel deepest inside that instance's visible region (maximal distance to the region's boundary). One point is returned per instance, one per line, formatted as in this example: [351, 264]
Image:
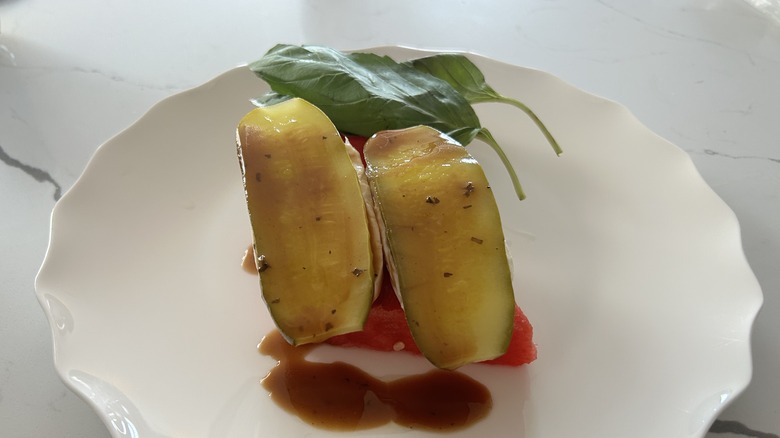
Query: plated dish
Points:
[627, 263]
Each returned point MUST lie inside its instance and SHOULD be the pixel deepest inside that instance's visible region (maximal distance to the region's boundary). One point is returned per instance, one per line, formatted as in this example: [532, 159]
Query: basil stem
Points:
[487, 137]
[468, 80]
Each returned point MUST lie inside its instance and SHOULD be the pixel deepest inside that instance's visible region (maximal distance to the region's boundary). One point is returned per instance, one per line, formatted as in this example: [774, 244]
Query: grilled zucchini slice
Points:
[311, 237]
[444, 245]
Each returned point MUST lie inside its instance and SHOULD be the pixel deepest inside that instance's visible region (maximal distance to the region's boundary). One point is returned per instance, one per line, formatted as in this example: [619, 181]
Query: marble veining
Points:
[668, 31]
[113, 77]
[737, 428]
[740, 157]
[37, 174]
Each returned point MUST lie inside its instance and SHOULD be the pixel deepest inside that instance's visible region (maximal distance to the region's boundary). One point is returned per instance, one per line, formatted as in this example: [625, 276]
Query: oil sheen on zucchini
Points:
[444, 245]
[308, 216]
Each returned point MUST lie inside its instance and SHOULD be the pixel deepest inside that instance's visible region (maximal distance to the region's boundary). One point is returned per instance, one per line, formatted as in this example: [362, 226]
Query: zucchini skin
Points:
[444, 245]
[310, 232]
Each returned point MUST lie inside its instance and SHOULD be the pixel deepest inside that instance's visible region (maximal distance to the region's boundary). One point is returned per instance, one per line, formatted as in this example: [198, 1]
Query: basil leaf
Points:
[363, 93]
[270, 98]
[460, 73]
[468, 80]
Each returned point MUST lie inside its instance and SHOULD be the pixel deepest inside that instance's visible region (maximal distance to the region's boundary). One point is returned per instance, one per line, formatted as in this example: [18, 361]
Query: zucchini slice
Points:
[444, 245]
[311, 236]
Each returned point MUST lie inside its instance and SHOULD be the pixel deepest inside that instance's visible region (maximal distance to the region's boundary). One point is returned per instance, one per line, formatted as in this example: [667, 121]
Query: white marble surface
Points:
[701, 73]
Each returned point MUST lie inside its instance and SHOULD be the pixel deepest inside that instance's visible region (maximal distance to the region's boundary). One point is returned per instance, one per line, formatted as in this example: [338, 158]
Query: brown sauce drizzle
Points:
[339, 396]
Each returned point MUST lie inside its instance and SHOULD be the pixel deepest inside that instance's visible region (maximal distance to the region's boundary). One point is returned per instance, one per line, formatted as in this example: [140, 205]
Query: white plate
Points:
[628, 265]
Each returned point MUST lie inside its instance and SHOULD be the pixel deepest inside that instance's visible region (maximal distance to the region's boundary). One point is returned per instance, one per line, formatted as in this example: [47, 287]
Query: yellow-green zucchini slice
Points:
[311, 237]
[444, 245]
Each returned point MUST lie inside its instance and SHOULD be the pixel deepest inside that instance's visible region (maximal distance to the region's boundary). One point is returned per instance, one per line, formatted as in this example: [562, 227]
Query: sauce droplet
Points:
[340, 396]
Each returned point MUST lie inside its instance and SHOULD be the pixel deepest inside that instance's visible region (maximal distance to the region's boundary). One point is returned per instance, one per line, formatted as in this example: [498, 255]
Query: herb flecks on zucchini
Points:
[444, 245]
[364, 93]
[311, 238]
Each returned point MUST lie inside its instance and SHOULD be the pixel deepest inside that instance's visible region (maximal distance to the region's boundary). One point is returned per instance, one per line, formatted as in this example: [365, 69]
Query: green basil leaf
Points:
[364, 93]
[460, 73]
[270, 98]
[465, 77]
